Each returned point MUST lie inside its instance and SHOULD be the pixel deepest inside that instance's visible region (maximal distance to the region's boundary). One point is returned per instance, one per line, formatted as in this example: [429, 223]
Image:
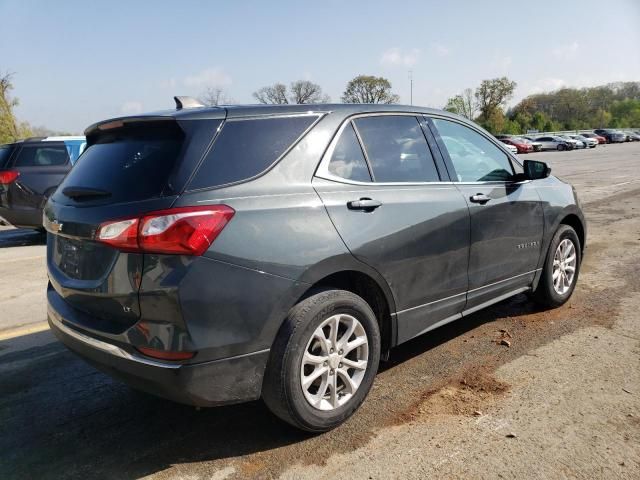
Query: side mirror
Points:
[534, 170]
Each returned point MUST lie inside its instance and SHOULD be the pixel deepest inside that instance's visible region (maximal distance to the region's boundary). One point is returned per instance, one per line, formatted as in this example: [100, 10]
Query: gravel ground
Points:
[562, 402]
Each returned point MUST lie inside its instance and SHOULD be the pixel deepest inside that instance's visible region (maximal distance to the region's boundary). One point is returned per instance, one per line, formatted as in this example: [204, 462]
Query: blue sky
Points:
[78, 62]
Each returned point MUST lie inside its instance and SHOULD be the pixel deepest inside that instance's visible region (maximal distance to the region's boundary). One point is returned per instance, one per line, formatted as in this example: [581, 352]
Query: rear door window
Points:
[397, 149]
[131, 163]
[246, 148]
[347, 160]
[44, 155]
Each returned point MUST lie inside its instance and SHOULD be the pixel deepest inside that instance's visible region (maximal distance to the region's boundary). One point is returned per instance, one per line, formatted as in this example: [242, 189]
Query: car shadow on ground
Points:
[21, 237]
[63, 419]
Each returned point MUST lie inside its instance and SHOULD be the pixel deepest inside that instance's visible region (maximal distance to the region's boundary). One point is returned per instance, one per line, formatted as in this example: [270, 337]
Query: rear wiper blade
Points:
[79, 192]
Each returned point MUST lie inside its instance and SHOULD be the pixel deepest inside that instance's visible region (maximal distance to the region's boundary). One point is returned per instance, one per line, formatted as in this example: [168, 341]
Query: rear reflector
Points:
[182, 230]
[8, 176]
[165, 354]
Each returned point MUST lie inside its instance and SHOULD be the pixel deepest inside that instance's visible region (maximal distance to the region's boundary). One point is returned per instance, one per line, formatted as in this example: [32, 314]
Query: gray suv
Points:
[221, 255]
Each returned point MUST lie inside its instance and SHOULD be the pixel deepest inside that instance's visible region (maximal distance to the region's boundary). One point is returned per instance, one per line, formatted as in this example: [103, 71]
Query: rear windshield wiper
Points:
[81, 192]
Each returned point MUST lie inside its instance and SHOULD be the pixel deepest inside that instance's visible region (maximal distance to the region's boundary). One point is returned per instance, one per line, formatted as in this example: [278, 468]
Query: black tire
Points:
[282, 391]
[545, 294]
[561, 148]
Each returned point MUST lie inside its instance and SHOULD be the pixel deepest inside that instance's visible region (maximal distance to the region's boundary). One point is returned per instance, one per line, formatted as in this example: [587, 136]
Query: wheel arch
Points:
[348, 273]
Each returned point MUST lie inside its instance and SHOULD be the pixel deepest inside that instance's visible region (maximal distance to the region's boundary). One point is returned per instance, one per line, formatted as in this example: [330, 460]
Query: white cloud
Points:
[440, 50]
[211, 77]
[131, 107]
[396, 57]
[566, 51]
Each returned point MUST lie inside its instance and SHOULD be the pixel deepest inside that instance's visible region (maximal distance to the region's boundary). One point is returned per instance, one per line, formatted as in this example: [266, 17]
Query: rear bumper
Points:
[23, 218]
[228, 380]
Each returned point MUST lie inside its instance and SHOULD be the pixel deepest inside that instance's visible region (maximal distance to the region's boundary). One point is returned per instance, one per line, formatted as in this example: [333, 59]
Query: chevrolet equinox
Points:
[226, 254]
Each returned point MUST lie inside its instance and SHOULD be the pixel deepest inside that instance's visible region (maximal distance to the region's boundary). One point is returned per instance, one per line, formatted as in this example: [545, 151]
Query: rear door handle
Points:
[366, 204]
[480, 198]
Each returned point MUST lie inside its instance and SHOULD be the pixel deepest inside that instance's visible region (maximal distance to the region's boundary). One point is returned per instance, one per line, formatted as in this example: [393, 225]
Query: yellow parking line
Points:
[24, 330]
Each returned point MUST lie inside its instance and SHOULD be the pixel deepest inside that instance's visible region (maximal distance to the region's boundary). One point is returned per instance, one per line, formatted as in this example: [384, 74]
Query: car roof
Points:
[239, 111]
[60, 138]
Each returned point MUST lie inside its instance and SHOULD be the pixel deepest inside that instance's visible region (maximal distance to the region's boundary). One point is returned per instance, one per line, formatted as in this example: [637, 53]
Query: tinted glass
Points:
[42, 155]
[75, 149]
[348, 160]
[397, 149]
[474, 157]
[5, 153]
[132, 163]
[246, 148]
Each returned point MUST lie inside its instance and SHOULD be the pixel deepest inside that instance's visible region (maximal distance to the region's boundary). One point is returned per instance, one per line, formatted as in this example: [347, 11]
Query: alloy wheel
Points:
[334, 362]
[564, 266]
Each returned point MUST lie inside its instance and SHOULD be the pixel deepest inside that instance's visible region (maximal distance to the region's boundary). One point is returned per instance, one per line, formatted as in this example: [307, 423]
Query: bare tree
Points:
[300, 91]
[464, 104]
[275, 94]
[213, 96]
[304, 91]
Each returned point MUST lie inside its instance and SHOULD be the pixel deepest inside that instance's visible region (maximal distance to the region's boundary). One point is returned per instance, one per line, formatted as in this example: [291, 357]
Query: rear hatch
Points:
[131, 166]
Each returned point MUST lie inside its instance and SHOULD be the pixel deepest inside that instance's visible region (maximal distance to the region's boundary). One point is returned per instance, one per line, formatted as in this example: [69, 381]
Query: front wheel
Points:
[561, 268]
[323, 362]
[561, 148]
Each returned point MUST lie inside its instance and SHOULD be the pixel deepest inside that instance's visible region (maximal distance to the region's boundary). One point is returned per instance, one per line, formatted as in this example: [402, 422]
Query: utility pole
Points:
[411, 86]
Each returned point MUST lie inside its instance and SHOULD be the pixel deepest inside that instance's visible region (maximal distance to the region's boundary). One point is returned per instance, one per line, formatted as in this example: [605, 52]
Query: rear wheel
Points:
[323, 362]
[561, 268]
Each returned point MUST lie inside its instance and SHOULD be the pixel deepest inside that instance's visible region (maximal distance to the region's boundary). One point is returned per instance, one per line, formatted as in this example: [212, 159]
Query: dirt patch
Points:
[465, 395]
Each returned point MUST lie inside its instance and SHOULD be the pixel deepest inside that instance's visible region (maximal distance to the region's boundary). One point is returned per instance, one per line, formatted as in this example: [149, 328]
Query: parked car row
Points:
[527, 144]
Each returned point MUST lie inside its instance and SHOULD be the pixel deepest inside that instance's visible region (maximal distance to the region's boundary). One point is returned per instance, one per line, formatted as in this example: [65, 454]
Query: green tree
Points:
[492, 95]
[369, 89]
[9, 128]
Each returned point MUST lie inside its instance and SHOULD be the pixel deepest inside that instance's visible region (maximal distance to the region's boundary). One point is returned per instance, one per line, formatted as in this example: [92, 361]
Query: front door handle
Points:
[366, 204]
[480, 198]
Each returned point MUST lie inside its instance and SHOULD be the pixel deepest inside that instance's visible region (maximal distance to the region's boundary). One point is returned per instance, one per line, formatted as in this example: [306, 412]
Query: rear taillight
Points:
[182, 230]
[8, 176]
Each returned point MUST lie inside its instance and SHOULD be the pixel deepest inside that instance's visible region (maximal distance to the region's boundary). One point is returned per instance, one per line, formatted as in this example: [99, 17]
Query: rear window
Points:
[5, 153]
[132, 163]
[44, 155]
[246, 148]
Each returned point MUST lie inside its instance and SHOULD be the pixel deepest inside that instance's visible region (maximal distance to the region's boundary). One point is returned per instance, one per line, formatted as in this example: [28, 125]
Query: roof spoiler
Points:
[187, 102]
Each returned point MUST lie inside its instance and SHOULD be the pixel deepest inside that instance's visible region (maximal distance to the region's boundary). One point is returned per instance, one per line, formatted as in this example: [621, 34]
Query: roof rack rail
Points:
[33, 139]
[187, 102]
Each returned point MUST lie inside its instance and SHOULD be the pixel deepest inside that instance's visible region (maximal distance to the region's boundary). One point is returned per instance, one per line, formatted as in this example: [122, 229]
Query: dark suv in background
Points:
[220, 255]
[30, 170]
[610, 135]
